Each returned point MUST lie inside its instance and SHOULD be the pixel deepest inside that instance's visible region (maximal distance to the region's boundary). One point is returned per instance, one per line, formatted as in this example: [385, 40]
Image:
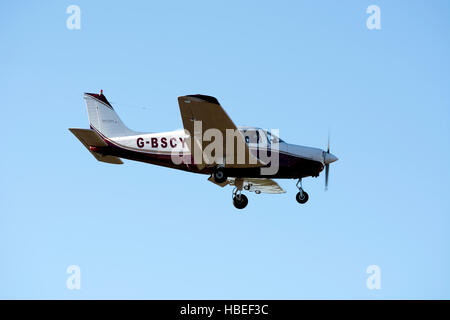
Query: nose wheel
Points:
[301, 197]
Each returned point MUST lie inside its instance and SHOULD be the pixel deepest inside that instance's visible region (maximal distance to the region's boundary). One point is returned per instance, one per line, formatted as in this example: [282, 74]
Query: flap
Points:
[258, 185]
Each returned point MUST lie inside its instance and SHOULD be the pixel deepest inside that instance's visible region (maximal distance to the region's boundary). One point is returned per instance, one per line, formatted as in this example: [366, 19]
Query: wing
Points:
[258, 185]
[89, 138]
[206, 110]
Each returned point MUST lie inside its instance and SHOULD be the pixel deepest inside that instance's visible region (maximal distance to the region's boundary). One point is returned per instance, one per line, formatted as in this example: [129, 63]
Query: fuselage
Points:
[294, 161]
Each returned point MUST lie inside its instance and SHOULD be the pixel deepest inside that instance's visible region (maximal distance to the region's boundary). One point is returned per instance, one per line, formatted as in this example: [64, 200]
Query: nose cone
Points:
[329, 158]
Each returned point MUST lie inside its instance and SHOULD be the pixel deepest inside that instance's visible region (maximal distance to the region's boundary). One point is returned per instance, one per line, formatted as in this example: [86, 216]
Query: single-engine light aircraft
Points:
[248, 158]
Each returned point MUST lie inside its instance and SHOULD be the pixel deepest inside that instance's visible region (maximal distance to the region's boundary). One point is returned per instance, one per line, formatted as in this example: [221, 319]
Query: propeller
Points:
[327, 166]
[327, 159]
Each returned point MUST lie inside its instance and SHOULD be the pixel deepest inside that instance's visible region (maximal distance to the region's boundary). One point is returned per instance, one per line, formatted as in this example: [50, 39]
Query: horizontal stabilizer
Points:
[89, 138]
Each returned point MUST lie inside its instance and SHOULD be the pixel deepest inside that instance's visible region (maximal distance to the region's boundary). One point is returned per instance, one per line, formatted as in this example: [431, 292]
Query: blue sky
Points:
[304, 67]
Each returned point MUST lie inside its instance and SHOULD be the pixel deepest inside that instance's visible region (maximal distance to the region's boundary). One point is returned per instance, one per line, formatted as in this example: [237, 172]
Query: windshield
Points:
[273, 138]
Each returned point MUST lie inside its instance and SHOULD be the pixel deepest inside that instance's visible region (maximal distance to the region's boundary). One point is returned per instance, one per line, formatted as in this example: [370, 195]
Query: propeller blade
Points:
[328, 149]
[327, 166]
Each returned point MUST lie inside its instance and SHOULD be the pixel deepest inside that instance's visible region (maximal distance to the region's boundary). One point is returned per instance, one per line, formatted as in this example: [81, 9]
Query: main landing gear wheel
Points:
[240, 201]
[219, 175]
[302, 197]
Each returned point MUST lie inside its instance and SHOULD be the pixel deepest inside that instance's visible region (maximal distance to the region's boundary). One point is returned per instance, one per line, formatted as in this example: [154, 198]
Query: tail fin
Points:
[103, 118]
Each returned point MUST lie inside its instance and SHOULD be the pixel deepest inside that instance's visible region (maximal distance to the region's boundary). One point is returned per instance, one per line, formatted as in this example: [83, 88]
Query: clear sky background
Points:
[304, 67]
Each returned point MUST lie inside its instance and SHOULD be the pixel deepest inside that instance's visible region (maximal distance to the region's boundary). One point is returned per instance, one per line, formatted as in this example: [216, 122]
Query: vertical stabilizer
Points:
[103, 118]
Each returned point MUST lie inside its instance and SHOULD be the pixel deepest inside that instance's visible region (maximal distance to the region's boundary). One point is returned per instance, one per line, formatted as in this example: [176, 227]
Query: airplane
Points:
[109, 140]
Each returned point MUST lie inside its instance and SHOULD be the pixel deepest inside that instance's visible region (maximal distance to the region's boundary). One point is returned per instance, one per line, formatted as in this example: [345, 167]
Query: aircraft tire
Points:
[219, 175]
[241, 203]
[303, 199]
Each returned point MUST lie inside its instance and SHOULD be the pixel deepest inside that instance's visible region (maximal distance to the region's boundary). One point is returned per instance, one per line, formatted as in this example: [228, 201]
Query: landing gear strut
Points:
[301, 196]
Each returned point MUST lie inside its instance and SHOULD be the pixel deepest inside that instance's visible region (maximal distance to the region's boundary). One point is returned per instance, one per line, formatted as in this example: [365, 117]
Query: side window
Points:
[250, 136]
[264, 141]
[273, 139]
[270, 138]
[253, 136]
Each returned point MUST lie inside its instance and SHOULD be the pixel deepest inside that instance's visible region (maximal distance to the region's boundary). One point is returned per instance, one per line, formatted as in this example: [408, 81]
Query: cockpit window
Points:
[251, 136]
[273, 138]
[259, 136]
